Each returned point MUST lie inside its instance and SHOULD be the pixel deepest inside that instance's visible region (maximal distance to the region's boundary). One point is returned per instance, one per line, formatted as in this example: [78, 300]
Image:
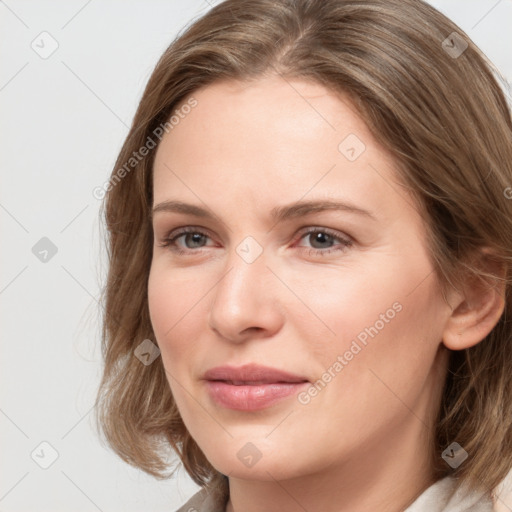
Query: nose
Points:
[245, 302]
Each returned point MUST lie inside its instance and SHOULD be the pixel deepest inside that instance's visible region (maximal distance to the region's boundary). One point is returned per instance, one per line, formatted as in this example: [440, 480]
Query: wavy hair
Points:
[428, 95]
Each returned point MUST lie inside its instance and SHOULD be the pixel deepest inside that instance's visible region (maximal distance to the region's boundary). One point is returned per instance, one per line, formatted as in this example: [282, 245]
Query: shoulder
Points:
[203, 501]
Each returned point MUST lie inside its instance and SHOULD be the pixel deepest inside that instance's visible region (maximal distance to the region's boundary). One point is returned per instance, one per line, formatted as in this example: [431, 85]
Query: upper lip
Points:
[251, 373]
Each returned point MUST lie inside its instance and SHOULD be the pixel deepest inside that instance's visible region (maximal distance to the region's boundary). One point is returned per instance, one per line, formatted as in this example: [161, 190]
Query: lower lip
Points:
[251, 397]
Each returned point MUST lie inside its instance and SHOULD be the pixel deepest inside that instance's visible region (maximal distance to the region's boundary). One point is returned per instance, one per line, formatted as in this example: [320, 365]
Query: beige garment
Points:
[203, 502]
[439, 497]
[504, 494]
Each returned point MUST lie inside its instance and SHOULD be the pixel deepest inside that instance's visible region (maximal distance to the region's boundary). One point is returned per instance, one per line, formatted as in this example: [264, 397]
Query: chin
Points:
[268, 467]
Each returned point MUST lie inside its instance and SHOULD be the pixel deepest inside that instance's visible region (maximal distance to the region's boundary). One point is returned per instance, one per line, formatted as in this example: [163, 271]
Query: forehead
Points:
[271, 111]
[272, 141]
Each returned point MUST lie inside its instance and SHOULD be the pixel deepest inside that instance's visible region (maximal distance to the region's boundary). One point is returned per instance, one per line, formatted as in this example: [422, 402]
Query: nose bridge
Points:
[246, 266]
[243, 298]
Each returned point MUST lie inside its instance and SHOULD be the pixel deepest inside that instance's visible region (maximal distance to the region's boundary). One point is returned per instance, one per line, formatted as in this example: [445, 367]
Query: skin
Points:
[362, 442]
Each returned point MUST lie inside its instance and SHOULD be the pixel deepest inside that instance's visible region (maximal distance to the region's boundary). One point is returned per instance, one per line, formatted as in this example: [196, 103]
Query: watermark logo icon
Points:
[351, 147]
[44, 250]
[147, 352]
[249, 249]
[454, 455]
[454, 45]
[45, 45]
[249, 455]
[44, 455]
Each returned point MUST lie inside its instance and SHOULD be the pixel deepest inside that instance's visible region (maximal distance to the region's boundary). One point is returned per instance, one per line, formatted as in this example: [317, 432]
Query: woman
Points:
[370, 373]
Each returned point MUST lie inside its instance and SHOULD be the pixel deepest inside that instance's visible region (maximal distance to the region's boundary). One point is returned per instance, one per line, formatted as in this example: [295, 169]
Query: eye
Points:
[323, 241]
[192, 237]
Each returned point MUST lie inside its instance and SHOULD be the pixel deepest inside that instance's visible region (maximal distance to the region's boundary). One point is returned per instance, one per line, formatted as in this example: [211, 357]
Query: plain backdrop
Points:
[71, 75]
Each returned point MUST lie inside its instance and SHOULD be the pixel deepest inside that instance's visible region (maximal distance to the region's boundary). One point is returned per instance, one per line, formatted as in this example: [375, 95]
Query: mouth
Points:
[251, 374]
[251, 387]
[256, 382]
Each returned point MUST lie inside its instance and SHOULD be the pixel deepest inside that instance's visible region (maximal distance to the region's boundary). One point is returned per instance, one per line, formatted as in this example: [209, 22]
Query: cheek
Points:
[341, 304]
[171, 308]
[375, 317]
[374, 365]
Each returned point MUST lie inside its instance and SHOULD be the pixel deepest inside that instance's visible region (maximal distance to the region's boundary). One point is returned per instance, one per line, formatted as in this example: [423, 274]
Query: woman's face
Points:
[272, 273]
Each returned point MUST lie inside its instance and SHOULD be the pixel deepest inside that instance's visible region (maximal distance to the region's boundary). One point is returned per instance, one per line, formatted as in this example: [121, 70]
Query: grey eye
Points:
[318, 239]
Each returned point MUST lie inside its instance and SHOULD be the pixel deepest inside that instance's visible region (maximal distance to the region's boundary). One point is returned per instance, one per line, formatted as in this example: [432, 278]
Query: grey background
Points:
[63, 120]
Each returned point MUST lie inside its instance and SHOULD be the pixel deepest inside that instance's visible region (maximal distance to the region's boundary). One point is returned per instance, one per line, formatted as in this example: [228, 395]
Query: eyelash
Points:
[170, 241]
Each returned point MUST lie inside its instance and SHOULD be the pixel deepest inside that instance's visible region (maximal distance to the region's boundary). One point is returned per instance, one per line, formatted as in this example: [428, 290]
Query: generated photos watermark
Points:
[357, 345]
[139, 155]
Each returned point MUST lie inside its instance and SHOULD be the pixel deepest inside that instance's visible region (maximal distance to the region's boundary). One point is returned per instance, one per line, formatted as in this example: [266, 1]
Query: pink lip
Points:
[251, 387]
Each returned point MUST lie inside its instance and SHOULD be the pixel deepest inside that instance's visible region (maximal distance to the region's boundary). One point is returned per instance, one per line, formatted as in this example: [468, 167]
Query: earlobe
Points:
[477, 312]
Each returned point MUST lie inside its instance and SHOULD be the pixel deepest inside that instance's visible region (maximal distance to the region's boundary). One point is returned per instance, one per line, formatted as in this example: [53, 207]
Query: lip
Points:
[252, 373]
[251, 387]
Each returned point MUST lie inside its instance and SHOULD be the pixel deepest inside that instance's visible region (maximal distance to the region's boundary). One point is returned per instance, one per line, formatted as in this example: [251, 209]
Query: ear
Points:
[477, 308]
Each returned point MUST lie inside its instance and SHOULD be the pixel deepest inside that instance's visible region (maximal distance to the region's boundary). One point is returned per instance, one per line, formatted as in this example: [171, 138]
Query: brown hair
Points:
[433, 102]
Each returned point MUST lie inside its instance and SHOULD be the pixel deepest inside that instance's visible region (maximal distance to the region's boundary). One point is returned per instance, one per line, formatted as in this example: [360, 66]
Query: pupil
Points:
[320, 238]
[196, 238]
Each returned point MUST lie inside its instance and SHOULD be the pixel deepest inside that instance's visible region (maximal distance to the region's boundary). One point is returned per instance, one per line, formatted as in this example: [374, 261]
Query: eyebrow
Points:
[278, 214]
